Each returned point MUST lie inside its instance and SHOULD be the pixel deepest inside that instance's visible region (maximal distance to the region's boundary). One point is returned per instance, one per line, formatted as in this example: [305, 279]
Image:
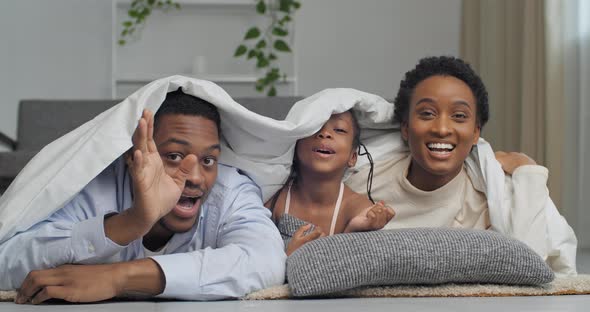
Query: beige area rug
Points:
[566, 285]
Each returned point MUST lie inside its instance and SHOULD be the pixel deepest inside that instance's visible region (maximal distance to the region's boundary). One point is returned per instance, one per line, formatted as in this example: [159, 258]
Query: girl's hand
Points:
[299, 237]
[370, 219]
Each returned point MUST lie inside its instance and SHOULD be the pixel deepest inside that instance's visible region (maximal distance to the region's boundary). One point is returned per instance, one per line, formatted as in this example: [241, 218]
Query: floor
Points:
[503, 304]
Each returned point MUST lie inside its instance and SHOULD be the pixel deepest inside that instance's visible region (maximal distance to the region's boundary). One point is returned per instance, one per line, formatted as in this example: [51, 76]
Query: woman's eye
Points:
[460, 115]
[426, 114]
[209, 162]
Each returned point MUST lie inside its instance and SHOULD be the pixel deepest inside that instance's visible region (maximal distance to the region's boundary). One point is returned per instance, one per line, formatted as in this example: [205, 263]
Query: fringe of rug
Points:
[562, 285]
[7, 295]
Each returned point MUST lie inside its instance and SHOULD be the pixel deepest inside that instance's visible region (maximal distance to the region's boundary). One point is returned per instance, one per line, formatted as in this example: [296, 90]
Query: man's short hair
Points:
[441, 66]
[180, 103]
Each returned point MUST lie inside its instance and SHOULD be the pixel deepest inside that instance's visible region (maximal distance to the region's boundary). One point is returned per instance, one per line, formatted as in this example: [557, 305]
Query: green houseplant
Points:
[261, 46]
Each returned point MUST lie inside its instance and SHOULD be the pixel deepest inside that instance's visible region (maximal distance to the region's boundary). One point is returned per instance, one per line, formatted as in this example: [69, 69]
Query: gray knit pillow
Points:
[412, 256]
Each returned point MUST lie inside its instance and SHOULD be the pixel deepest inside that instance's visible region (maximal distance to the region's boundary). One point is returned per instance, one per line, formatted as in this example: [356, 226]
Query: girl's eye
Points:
[209, 161]
[340, 130]
[174, 157]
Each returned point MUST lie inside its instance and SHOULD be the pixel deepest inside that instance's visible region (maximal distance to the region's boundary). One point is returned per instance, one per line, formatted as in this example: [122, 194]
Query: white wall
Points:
[63, 48]
[370, 44]
[52, 49]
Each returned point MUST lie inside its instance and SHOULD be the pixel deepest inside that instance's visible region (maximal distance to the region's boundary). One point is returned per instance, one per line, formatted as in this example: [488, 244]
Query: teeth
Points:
[440, 146]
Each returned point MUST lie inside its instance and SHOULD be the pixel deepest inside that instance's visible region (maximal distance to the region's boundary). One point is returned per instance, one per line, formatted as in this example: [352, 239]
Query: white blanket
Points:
[260, 146]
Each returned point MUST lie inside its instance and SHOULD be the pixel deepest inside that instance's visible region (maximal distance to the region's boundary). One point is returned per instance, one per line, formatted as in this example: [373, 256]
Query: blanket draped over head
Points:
[260, 146]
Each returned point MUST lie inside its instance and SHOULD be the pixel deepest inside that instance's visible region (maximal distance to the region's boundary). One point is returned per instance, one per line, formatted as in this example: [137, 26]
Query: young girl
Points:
[314, 192]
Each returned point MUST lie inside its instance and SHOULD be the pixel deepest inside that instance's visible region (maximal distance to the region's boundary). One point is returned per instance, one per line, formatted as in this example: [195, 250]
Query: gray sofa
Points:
[42, 121]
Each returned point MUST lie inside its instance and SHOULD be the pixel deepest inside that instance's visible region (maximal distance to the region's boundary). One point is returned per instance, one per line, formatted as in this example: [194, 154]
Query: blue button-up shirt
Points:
[233, 249]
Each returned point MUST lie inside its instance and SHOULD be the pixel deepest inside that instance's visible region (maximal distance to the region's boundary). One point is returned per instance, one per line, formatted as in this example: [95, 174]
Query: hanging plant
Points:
[263, 46]
[139, 12]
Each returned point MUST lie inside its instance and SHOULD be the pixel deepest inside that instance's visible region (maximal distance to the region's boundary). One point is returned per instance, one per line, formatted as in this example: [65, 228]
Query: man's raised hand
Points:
[155, 192]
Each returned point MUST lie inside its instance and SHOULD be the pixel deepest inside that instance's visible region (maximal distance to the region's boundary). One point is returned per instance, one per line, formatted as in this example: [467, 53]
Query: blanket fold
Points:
[260, 146]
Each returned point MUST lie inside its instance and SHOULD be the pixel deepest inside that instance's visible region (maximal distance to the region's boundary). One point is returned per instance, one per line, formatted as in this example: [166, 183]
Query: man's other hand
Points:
[90, 283]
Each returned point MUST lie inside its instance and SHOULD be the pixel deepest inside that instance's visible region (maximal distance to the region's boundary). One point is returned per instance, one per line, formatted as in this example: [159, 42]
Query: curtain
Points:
[506, 41]
[574, 18]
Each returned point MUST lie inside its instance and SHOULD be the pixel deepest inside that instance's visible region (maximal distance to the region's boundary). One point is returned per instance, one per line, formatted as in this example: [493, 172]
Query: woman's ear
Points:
[476, 134]
[405, 130]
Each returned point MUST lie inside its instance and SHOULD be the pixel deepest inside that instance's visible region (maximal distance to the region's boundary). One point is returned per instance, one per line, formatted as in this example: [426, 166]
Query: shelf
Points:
[127, 3]
[147, 78]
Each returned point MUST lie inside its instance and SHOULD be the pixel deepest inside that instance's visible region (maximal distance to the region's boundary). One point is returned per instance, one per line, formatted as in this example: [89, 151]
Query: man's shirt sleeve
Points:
[73, 234]
[248, 255]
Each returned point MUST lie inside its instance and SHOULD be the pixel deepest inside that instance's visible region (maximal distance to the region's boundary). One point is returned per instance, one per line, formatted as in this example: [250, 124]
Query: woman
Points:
[442, 106]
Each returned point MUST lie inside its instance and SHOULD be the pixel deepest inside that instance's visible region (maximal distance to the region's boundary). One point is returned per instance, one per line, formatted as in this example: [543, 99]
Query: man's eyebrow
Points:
[174, 141]
[213, 147]
[186, 143]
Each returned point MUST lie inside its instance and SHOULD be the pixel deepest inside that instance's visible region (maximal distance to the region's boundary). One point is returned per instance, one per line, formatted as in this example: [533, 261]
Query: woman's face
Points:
[330, 149]
[440, 130]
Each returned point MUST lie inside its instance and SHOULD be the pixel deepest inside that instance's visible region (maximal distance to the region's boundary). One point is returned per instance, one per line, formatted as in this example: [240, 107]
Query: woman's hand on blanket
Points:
[300, 237]
[512, 160]
[155, 192]
[371, 218]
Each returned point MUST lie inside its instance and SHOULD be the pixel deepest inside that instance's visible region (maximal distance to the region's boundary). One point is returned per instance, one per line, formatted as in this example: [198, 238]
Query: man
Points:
[164, 219]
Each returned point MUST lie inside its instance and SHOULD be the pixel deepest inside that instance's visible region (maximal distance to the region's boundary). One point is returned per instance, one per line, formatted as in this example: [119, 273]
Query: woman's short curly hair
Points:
[441, 66]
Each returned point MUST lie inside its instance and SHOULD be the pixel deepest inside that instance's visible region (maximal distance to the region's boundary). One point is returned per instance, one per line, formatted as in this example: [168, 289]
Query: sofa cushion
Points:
[42, 121]
[11, 163]
[412, 256]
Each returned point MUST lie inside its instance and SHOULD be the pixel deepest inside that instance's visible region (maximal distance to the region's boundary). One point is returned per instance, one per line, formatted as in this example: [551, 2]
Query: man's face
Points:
[176, 137]
[441, 128]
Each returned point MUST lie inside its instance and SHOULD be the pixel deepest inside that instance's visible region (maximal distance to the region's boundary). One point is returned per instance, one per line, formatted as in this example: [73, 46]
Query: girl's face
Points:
[330, 149]
[441, 128]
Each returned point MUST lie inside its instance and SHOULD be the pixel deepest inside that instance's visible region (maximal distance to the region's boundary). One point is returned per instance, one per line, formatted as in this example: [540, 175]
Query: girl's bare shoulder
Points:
[355, 202]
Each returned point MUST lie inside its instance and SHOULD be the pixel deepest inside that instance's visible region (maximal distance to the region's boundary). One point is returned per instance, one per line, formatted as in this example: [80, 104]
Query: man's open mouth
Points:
[187, 202]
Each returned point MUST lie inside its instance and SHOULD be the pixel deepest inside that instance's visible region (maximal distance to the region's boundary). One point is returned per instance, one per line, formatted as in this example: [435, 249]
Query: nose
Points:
[441, 126]
[195, 178]
[324, 133]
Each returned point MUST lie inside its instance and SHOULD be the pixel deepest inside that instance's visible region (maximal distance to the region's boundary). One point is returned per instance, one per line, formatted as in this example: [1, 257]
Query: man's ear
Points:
[352, 159]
